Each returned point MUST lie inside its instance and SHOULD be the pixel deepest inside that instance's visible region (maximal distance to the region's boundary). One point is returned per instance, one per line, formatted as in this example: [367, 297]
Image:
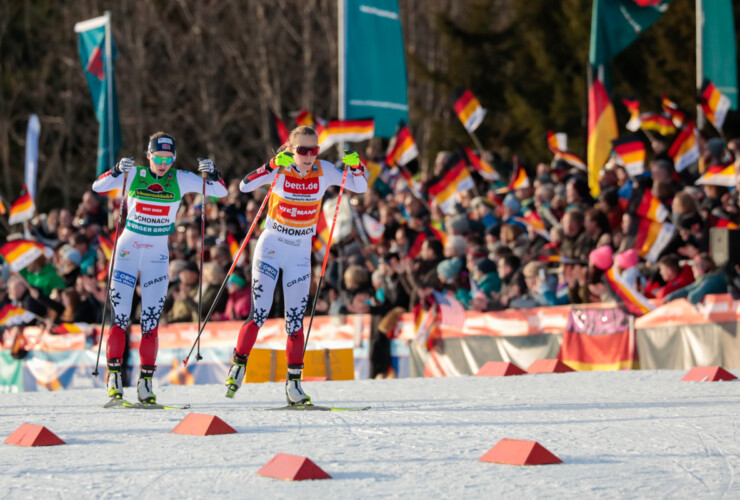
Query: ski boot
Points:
[144, 386]
[115, 379]
[293, 391]
[236, 374]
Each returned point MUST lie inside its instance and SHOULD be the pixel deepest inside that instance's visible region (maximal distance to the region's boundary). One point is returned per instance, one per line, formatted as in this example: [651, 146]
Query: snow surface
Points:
[619, 434]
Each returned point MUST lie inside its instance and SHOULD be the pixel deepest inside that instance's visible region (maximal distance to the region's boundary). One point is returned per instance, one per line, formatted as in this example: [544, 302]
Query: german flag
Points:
[408, 179]
[415, 247]
[633, 106]
[22, 209]
[714, 104]
[610, 346]
[456, 180]
[404, 148]
[436, 230]
[305, 119]
[321, 239]
[346, 131]
[374, 169]
[106, 245]
[65, 328]
[602, 128]
[20, 253]
[635, 302]
[630, 151]
[533, 219]
[278, 131]
[644, 204]
[719, 175]
[652, 238]
[558, 144]
[519, 179]
[469, 110]
[659, 123]
[234, 249]
[721, 222]
[685, 148]
[481, 166]
[11, 315]
[671, 109]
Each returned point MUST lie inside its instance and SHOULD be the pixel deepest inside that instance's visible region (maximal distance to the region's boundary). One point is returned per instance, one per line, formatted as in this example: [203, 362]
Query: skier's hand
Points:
[124, 165]
[282, 159]
[205, 166]
[351, 159]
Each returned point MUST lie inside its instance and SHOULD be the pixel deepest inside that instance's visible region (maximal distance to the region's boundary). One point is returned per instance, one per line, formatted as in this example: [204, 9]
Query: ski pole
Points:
[326, 257]
[110, 274]
[231, 270]
[198, 357]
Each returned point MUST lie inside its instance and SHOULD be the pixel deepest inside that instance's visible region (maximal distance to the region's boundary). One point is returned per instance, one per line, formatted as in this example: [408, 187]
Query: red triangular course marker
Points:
[499, 369]
[707, 374]
[197, 424]
[518, 452]
[33, 435]
[549, 366]
[292, 468]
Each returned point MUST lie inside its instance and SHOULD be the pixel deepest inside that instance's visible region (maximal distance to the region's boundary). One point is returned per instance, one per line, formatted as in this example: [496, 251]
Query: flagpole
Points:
[341, 49]
[699, 60]
[109, 84]
[477, 143]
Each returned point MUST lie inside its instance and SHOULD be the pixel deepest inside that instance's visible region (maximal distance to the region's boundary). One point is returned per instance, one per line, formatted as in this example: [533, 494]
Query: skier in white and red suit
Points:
[294, 208]
[153, 195]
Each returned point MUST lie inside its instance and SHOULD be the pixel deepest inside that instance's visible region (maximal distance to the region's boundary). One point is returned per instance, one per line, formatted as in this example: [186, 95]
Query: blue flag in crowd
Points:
[95, 61]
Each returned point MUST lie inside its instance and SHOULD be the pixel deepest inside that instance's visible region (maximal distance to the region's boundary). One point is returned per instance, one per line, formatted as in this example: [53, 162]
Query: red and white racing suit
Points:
[142, 250]
[294, 208]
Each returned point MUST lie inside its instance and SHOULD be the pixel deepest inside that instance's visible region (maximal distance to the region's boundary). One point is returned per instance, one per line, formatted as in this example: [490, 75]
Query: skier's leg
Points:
[155, 278]
[296, 286]
[264, 277]
[123, 282]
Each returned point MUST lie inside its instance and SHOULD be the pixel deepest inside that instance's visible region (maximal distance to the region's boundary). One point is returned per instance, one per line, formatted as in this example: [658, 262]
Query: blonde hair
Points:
[302, 130]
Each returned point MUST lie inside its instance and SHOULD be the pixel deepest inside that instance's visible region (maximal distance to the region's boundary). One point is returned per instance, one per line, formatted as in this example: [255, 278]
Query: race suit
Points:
[294, 208]
[142, 250]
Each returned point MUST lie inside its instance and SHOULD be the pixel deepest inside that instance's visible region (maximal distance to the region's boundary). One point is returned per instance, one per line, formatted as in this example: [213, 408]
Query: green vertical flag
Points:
[11, 373]
[98, 67]
[719, 60]
[615, 24]
[374, 64]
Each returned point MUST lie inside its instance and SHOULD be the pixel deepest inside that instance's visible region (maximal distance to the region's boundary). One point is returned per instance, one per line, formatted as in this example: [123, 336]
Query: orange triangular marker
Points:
[33, 435]
[549, 366]
[197, 424]
[707, 374]
[518, 452]
[292, 468]
[499, 369]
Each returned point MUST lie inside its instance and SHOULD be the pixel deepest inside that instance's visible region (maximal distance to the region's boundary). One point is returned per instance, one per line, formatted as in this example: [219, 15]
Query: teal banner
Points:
[375, 64]
[11, 373]
[615, 24]
[92, 48]
[719, 57]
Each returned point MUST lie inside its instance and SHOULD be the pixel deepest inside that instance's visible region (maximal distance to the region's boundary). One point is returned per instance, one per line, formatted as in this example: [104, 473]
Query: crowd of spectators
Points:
[489, 254]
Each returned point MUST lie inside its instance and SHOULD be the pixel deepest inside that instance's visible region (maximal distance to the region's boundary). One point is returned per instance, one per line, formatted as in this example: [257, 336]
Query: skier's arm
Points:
[356, 179]
[113, 179]
[193, 183]
[265, 174]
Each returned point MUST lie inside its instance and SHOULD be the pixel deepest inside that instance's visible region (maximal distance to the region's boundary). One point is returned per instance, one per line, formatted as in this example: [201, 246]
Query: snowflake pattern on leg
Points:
[120, 320]
[150, 318]
[258, 315]
[294, 319]
[115, 297]
[257, 287]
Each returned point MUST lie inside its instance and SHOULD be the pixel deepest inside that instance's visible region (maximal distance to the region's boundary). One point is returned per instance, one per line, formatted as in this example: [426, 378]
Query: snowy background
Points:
[619, 434]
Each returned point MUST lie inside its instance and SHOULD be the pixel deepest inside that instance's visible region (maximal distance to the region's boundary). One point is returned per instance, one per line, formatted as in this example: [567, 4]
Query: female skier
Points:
[153, 197]
[294, 208]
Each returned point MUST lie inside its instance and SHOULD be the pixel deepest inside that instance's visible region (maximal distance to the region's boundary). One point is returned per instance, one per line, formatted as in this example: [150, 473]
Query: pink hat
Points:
[601, 258]
[627, 259]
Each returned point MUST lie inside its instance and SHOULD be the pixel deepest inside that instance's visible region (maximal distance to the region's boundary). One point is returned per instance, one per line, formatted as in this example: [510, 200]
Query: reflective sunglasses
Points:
[163, 160]
[305, 150]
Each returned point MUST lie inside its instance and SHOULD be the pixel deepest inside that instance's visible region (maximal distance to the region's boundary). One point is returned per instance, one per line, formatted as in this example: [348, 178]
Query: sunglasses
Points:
[305, 150]
[163, 160]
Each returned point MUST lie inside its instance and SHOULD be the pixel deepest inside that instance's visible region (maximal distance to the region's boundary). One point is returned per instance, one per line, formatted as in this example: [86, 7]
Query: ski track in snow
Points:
[619, 434]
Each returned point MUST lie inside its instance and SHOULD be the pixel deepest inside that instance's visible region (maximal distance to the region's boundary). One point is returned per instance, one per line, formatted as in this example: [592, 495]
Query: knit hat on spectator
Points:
[74, 256]
[191, 266]
[449, 268]
[237, 280]
[716, 147]
[512, 202]
[460, 224]
[602, 257]
[485, 266]
[627, 259]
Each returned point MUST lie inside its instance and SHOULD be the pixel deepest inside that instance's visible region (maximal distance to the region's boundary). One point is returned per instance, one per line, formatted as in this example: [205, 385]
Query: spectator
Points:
[674, 276]
[213, 278]
[180, 304]
[88, 256]
[239, 302]
[42, 275]
[707, 279]
[69, 266]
